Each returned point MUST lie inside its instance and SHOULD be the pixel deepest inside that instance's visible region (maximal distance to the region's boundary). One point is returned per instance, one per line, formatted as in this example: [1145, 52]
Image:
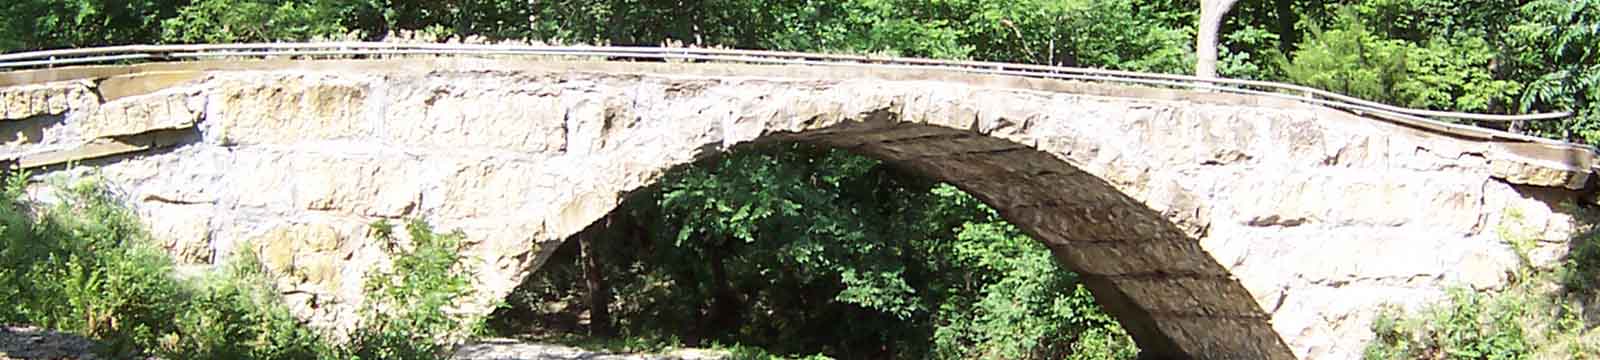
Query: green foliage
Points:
[1026, 307]
[42, 24]
[406, 314]
[1580, 271]
[235, 314]
[225, 21]
[1528, 319]
[1260, 62]
[1454, 74]
[84, 265]
[1350, 59]
[769, 247]
[1552, 50]
[1468, 325]
[1092, 33]
[1446, 73]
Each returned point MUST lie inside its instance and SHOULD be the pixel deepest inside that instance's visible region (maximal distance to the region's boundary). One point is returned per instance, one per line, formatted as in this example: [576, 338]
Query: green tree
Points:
[1553, 51]
[1350, 59]
[50, 24]
[769, 247]
[228, 21]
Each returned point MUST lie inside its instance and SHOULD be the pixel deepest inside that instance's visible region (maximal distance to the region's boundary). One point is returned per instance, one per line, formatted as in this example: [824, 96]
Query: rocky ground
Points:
[32, 343]
[27, 342]
[511, 349]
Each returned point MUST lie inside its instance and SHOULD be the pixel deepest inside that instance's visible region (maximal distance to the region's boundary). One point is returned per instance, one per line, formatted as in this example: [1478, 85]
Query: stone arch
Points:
[1167, 291]
[1143, 267]
[1171, 202]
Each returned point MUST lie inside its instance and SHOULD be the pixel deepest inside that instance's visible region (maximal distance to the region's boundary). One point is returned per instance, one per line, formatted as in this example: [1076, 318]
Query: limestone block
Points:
[284, 247]
[1003, 113]
[379, 185]
[446, 115]
[16, 104]
[143, 114]
[183, 230]
[1224, 338]
[55, 98]
[807, 110]
[1527, 172]
[321, 270]
[954, 109]
[1449, 201]
[118, 87]
[1189, 295]
[1362, 152]
[373, 187]
[492, 187]
[246, 110]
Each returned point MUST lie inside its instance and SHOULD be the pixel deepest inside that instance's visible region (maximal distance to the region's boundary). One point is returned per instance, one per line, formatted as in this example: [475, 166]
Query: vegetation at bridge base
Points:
[83, 265]
[1541, 314]
[811, 250]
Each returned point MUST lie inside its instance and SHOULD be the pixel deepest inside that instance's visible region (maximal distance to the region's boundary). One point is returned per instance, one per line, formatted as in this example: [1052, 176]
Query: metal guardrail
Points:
[133, 53]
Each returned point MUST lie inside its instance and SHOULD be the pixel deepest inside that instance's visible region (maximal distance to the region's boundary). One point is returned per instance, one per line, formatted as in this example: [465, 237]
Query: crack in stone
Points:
[165, 200]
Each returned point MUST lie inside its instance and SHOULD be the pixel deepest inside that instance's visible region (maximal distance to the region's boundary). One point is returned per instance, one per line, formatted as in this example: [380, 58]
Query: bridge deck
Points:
[115, 81]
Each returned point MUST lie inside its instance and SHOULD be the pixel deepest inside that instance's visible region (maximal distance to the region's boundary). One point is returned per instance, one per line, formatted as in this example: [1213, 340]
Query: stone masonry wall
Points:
[1215, 226]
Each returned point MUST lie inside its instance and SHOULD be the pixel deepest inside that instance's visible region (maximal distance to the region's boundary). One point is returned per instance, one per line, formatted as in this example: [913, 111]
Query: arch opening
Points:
[771, 245]
[1141, 268]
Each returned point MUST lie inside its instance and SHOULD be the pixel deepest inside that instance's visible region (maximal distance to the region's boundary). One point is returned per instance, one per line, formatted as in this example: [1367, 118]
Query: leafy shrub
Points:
[84, 266]
[234, 314]
[407, 312]
[1581, 269]
[1468, 325]
[226, 21]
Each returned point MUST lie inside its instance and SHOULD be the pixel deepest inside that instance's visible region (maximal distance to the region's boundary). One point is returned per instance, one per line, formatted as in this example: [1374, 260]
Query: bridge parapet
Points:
[1516, 158]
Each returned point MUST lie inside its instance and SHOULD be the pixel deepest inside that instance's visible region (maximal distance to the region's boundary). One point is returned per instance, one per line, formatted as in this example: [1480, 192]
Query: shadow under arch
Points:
[1169, 294]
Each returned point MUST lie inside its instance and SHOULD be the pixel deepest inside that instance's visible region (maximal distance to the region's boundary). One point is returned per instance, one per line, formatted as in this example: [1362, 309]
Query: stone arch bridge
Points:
[1214, 225]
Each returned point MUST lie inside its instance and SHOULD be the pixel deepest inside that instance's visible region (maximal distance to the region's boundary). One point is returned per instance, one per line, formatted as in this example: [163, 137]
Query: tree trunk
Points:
[595, 278]
[1287, 36]
[1205, 47]
[724, 314]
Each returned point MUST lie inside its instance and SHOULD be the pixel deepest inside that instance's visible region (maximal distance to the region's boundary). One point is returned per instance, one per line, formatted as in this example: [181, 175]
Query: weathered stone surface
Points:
[307, 253]
[184, 230]
[248, 110]
[166, 111]
[27, 342]
[55, 98]
[118, 87]
[1523, 171]
[517, 114]
[1217, 226]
